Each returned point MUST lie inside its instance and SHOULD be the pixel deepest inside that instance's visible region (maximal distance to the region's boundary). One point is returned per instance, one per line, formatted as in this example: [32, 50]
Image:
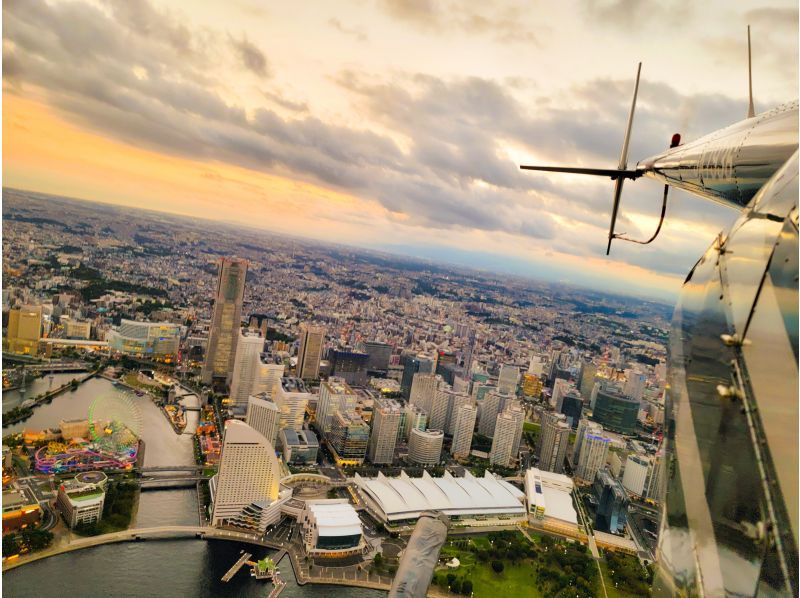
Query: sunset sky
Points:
[392, 124]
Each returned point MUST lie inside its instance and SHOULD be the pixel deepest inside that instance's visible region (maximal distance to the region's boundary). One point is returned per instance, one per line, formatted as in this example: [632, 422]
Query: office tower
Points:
[572, 407]
[593, 395]
[636, 478]
[246, 366]
[554, 441]
[612, 503]
[560, 388]
[310, 352]
[268, 376]
[425, 446]
[657, 479]
[291, 397]
[263, 416]
[379, 355]
[584, 426]
[247, 481]
[615, 412]
[480, 389]
[444, 358]
[592, 456]
[507, 434]
[24, 330]
[588, 373]
[226, 321]
[508, 379]
[469, 353]
[454, 401]
[488, 409]
[423, 389]
[350, 366]
[537, 366]
[439, 406]
[348, 438]
[386, 419]
[531, 386]
[634, 384]
[465, 417]
[334, 394]
[413, 364]
[414, 419]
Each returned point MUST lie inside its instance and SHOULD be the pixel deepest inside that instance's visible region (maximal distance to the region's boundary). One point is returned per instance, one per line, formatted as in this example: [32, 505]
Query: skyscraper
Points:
[508, 379]
[592, 456]
[635, 382]
[226, 321]
[554, 441]
[488, 409]
[636, 478]
[615, 411]
[454, 401]
[263, 416]
[310, 352]
[425, 447]
[386, 417]
[24, 330]
[588, 373]
[291, 397]
[334, 394]
[465, 418]
[247, 483]
[348, 438]
[246, 366]
[584, 426]
[572, 407]
[507, 434]
[414, 418]
[423, 389]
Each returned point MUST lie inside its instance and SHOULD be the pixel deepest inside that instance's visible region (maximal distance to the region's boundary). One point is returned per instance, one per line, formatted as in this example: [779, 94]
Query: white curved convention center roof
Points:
[406, 498]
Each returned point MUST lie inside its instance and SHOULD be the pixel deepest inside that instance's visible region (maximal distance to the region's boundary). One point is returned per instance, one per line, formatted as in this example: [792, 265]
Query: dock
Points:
[236, 566]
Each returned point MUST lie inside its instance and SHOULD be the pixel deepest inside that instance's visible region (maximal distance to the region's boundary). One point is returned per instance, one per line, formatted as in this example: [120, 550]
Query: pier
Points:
[236, 566]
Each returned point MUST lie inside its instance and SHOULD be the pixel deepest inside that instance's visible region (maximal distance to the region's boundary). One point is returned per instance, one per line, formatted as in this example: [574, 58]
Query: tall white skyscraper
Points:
[425, 447]
[386, 419]
[635, 382]
[592, 456]
[560, 388]
[414, 419]
[226, 321]
[455, 400]
[247, 483]
[268, 377]
[291, 397]
[440, 407]
[488, 409]
[537, 366]
[334, 394]
[508, 379]
[507, 435]
[309, 353]
[637, 473]
[423, 389]
[246, 366]
[465, 418]
[263, 416]
[553, 442]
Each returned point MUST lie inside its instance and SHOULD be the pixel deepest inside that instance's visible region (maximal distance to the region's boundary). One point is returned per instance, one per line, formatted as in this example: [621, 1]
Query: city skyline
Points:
[315, 142]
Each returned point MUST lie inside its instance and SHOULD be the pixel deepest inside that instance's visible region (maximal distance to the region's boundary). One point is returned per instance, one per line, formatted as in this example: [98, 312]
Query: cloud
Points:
[252, 58]
[355, 32]
[432, 153]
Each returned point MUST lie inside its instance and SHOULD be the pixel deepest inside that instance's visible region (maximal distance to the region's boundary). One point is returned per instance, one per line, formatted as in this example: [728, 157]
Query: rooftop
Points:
[335, 518]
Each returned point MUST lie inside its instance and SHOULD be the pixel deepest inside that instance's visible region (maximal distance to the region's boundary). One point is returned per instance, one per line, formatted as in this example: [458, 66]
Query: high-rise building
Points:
[425, 446]
[657, 480]
[612, 503]
[413, 364]
[348, 438]
[572, 407]
[488, 409]
[310, 352]
[246, 490]
[584, 426]
[386, 419]
[350, 366]
[379, 355]
[592, 456]
[637, 473]
[554, 441]
[616, 412]
[246, 366]
[226, 321]
[588, 373]
[635, 382]
[414, 418]
[507, 434]
[465, 417]
[531, 386]
[24, 330]
[537, 366]
[454, 401]
[263, 416]
[291, 396]
[508, 379]
[560, 388]
[334, 394]
[423, 389]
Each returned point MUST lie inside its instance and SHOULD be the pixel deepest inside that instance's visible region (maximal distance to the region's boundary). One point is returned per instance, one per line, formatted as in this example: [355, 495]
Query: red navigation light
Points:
[676, 140]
